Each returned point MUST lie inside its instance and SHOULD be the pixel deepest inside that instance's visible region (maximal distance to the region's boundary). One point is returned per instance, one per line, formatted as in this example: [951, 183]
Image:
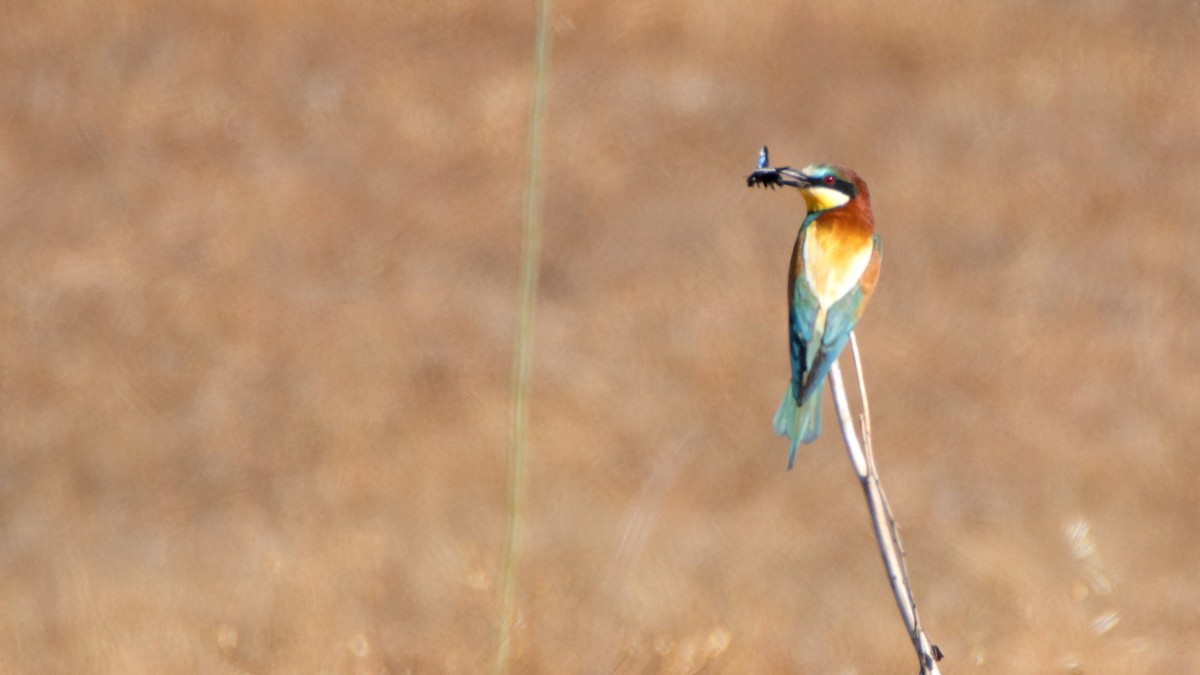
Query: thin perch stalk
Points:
[887, 534]
[523, 343]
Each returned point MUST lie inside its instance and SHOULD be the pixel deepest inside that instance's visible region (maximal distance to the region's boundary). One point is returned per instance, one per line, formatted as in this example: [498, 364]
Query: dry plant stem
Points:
[531, 243]
[886, 533]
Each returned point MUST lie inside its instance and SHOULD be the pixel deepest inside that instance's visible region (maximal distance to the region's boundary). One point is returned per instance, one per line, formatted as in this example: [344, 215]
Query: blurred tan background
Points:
[258, 292]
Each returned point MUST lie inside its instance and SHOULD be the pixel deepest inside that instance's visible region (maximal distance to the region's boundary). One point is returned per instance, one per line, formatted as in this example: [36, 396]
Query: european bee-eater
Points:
[835, 264]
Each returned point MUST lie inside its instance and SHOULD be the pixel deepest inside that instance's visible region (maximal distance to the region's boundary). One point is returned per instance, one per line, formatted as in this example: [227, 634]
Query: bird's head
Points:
[824, 186]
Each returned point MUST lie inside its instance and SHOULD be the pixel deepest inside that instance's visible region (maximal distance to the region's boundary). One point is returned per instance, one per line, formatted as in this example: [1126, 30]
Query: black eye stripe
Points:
[843, 186]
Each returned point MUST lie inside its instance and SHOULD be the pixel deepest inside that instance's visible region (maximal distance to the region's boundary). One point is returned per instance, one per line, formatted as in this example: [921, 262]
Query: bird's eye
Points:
[829, 180]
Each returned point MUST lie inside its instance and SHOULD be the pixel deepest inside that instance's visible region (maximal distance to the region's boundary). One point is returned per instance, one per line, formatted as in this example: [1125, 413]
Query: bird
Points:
[834, 268]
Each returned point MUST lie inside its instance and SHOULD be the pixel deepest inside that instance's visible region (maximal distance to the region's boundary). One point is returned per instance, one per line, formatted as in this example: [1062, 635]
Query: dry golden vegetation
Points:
[257, 307]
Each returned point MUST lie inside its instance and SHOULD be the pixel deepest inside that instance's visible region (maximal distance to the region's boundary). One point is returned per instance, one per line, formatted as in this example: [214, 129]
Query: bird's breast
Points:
[834, 260]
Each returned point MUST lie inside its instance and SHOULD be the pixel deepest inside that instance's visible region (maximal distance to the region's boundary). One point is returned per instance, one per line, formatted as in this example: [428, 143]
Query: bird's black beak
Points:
[784, 175]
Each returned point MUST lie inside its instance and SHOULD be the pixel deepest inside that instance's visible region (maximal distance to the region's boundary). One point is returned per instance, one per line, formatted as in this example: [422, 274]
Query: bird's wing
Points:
[802, 320]
[866, 284]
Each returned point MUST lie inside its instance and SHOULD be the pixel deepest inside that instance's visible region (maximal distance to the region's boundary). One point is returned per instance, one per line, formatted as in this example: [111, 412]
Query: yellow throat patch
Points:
[821, 198]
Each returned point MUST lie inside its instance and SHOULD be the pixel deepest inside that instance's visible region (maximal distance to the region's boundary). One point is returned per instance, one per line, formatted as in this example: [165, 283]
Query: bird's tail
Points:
[800, 423]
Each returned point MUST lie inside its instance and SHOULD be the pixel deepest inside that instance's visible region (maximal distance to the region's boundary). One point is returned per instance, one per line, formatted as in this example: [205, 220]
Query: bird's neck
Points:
[853, 220]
